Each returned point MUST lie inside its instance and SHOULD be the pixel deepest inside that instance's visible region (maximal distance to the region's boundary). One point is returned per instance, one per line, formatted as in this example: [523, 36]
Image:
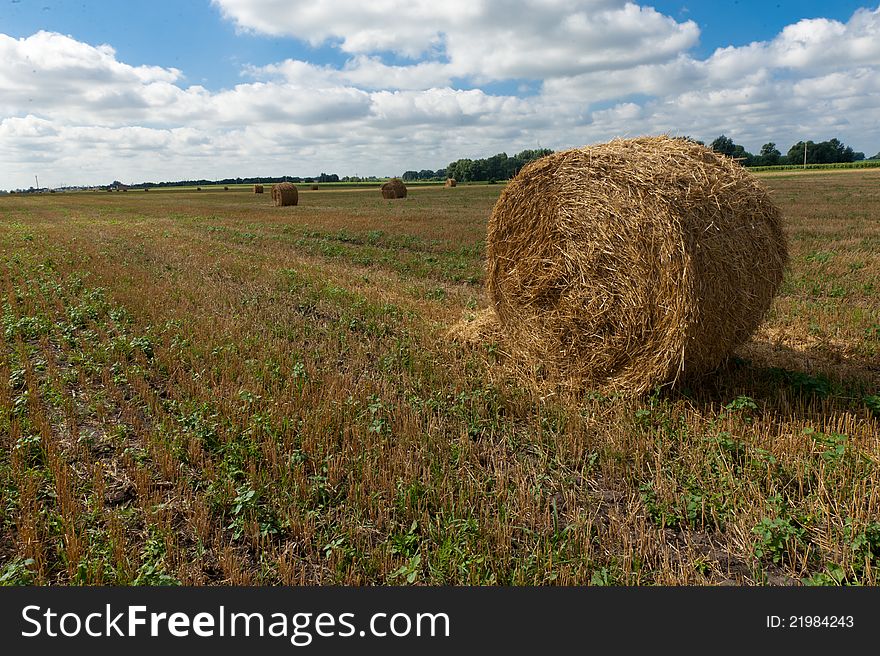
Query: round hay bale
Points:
[284, 194]
[314, 187]
[197, 189]
[258, 189]
[450, 182]
[394, 188]
[630, 264]
[225, 188]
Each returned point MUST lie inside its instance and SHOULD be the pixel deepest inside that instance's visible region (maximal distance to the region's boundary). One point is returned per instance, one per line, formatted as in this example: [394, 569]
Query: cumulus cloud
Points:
[484, 39]
[363, 71]
[74, 113]
[792, 87]
[55, 75]
[56, 57]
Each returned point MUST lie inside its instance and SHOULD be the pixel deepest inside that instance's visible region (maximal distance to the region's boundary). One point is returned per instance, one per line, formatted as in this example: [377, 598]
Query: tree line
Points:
[488, 169]
[323, 177]
[832, 151]
[504, 167]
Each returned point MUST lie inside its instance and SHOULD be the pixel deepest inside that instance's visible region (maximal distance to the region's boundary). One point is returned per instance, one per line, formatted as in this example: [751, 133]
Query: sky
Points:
[92, 92]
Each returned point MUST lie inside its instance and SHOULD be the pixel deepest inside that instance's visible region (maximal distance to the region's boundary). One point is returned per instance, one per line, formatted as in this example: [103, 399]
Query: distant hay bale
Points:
[284, 194]
[314, 187]
[146, 188]
[631, 264]
[450, 182]
[258, 189]
[197, 189]
[394, 188]
[225, 188]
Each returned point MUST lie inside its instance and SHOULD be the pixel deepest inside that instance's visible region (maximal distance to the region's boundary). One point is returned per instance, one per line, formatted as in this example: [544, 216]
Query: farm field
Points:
[198, 388]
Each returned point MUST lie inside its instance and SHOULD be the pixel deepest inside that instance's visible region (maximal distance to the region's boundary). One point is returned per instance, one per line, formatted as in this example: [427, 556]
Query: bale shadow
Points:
[785, 388]
[799, 380]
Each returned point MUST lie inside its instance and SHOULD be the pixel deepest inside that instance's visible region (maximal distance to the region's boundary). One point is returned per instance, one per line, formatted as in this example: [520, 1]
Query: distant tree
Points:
[796, 153]
[723, 145]
[832, 151]
[424, 174]
[460, 170]
[525, 157]
[479, 169]
[838, 152]
[858, 157]
[497, 167]
[769, 155]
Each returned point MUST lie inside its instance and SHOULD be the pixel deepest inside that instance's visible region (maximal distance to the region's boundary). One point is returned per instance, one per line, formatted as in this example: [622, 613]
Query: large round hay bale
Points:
[284, 194]
[258, 189]
[394, 188]
[630, 264]
[450, 182]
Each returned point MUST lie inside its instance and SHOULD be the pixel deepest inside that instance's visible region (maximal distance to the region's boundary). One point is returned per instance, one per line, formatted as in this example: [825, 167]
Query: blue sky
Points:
[739, 22]
[157, 90]
[191, 35]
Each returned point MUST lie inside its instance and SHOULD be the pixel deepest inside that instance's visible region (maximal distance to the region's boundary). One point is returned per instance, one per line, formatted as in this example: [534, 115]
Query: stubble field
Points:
[199, 388]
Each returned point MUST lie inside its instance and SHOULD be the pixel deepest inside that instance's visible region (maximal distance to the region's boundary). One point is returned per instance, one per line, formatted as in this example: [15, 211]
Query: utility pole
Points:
[805, 154]
[37, 180]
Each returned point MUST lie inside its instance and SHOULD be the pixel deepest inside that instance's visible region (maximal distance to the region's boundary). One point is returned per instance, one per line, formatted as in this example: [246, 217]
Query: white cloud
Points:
[361, 71]
[409, 28]
[817, 79]
[55, 57]
[484, 39]
[54, 75]
[74, 113]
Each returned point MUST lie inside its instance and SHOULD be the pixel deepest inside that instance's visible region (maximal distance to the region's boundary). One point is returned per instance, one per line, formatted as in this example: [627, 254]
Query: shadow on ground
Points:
[790, 376]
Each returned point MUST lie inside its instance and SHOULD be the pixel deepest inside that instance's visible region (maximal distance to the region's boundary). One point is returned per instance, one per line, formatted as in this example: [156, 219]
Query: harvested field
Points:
[200, 389]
